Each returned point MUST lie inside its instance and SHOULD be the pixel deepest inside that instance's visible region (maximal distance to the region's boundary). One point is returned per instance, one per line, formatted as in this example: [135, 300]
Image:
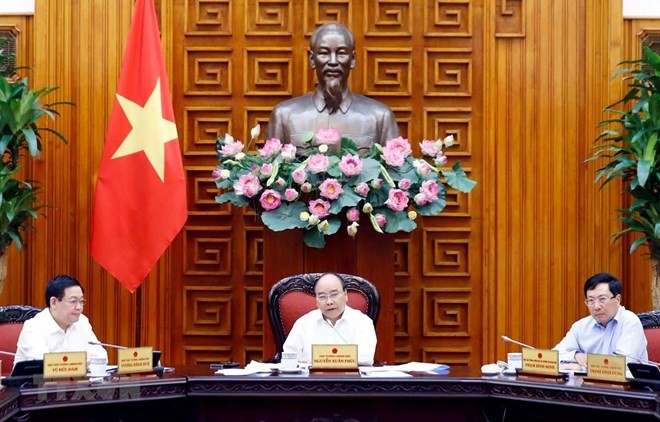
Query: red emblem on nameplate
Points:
[540, 355]
[605, 361]
[64, 358]
[135, 354]
[334, 351]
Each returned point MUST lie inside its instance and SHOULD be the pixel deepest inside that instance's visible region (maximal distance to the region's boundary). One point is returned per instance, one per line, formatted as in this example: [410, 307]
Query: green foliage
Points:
[629, 147]
[21, 112]
[291, 190]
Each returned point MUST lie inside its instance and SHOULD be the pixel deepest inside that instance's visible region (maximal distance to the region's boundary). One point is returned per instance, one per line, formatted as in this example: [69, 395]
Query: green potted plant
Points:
[21, 112]
[630, 149]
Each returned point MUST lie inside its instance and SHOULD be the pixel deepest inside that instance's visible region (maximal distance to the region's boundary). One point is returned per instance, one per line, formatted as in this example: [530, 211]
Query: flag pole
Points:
[138, 316]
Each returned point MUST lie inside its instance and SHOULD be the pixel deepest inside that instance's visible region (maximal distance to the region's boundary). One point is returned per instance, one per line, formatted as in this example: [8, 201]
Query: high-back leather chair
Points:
[293, 296]
[12, 318]
[651, 323]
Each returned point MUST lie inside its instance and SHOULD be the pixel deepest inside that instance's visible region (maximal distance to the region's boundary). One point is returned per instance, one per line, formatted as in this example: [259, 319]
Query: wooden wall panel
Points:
[521, 83]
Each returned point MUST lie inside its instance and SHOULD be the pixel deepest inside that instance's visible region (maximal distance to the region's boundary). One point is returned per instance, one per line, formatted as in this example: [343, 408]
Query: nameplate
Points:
[606, 367]
[135, 359]
[540, 361]
[65, 365]
[334, 356]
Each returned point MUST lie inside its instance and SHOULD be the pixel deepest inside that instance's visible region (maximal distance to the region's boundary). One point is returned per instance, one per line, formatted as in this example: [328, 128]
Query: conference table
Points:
[195, 393]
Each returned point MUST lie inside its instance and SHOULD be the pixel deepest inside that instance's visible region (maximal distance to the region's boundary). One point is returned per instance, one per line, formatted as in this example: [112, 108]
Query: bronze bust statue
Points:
[333, 105]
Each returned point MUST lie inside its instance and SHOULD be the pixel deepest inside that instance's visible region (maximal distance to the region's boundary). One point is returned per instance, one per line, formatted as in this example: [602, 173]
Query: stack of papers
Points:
[253, 367]
[402, 370]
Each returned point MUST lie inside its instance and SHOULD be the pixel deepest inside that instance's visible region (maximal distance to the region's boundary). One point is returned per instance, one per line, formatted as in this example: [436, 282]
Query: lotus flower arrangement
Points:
[328, 183]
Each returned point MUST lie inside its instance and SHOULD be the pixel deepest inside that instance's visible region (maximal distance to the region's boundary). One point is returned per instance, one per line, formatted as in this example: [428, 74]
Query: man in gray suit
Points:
[332, 105]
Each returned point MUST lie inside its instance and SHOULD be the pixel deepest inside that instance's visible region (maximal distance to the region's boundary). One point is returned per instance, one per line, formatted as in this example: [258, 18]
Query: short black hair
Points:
[343, 282]
[613, 283]
[58, 284]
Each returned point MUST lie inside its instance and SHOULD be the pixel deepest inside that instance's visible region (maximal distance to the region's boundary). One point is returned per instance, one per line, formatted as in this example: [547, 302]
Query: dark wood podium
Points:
[369, 255]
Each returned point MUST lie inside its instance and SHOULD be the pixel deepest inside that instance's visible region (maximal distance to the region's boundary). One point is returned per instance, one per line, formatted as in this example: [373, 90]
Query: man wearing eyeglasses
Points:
[333, 322]
[610, 329]
[61, 327]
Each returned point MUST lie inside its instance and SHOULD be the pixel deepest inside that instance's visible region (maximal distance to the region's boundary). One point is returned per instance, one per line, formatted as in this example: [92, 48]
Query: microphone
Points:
[7, 353]
[507, 339]
[647, 362]
[114, 346]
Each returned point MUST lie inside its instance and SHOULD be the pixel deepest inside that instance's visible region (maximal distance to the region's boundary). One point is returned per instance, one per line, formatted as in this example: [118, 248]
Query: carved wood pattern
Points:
[524, 123]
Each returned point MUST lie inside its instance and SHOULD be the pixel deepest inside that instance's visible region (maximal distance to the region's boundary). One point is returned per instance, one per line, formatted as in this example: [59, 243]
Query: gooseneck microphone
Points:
[507, 339]
[114, 346]
[647, 362]
[2, 352]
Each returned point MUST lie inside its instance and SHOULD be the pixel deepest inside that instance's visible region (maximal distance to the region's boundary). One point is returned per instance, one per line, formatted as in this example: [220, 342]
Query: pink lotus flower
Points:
[430, 190]
[429, 148]
[404, 184]
[353, 214]
[318, 163]
[350, 165]
[397, 200]
[362, 189]
[231, 149]
[440, 160]
[247, 185]
[266, 169]
[288, 152]
[423, 169]
[327, 136]
[290, 194]
[299, 176]
[319, 208]
[270, 199]
[421, 199]
[273, 146]
[380, 220]
[216, 174]
[395, 151]
[331, 188]
[306, 187]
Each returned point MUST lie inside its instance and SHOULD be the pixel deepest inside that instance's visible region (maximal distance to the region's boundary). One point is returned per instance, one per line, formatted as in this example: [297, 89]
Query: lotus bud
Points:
[367, 208]
[449, 141]
[304, 216]
[313, 219]
[324, 226]
[352, 229]
[255, 131]
[323, 148]
[377, 183]
[228, 138]
[240, 156]
[306, 187]
[412, 215]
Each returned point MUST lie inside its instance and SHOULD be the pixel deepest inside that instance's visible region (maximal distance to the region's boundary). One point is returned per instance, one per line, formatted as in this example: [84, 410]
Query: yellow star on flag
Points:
[150, 131]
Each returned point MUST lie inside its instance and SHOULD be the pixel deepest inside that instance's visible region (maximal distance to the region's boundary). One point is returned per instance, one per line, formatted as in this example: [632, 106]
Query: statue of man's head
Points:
[332, 55]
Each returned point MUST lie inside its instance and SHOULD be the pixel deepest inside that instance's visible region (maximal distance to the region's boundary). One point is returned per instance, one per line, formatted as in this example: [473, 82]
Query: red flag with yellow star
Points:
[140, 202]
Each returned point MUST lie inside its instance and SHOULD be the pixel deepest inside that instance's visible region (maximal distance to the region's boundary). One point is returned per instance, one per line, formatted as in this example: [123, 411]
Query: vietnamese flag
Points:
[140, 202]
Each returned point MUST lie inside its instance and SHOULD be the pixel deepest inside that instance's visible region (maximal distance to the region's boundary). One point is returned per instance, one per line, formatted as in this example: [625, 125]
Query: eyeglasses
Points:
[600, 299]
[324, 298]
[74, 302]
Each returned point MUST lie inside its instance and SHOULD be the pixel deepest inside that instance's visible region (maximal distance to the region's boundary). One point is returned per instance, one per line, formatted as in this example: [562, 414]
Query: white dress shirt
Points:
[41, 334]
[353, 327]
[623, 335]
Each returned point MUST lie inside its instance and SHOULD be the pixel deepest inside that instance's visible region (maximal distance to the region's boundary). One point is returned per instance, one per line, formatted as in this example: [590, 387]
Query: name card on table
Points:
[334, 356]
[135, 359]
[540, 361]
[65, 365]
[606, 367]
